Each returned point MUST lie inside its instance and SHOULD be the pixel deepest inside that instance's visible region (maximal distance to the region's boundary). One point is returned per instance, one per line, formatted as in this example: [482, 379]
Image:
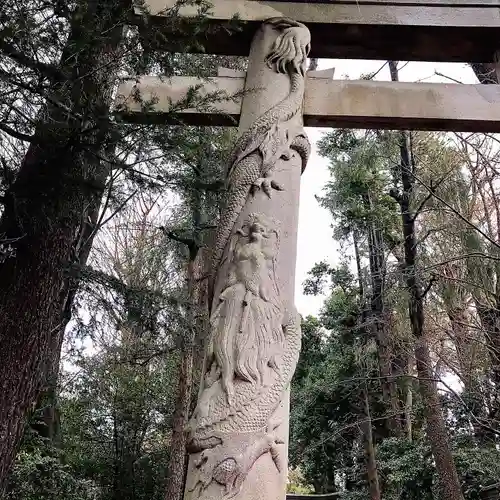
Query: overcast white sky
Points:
[315, 241]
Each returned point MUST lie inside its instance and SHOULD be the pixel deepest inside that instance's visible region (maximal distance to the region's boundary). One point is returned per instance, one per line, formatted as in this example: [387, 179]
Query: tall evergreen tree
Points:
[59, 67]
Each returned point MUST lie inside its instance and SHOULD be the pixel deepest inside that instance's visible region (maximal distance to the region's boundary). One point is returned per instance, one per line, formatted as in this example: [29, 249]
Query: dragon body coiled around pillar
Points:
[255, 336]
[250, 360]
[245, 415]
[272, 136]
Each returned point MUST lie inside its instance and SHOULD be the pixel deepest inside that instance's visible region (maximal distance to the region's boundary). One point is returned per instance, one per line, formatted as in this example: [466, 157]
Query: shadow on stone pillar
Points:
[237, 436]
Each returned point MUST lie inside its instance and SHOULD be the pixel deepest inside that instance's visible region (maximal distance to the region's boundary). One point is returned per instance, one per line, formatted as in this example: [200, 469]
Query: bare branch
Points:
[16, 134]
[455, 211]
[47, 70]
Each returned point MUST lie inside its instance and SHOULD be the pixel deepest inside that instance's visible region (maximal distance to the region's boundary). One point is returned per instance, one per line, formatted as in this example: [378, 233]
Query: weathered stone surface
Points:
[365, 29]
[238, 432]
[348, 103]
[472, 13]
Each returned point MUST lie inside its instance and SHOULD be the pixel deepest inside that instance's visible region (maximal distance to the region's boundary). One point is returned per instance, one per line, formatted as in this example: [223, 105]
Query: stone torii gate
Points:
[237, 436]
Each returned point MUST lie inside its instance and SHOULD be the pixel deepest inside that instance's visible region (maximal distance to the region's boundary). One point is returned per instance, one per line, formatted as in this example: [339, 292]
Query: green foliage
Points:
[358, 194]
[478, 467]
[40, 473]
[340, 364]
[339, 277]
[112, 401]
[325, 393]
[409, 470]
[407, 467]
[296, 483]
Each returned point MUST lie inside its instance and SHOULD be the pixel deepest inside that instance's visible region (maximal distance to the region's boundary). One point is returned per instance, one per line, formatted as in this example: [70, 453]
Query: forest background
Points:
[106, 232]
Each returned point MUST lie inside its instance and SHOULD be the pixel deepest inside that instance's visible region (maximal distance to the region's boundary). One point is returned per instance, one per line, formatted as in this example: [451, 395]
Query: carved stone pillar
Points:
[237, 436]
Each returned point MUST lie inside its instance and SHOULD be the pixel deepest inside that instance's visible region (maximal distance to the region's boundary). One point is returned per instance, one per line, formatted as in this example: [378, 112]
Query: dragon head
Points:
[291, 47]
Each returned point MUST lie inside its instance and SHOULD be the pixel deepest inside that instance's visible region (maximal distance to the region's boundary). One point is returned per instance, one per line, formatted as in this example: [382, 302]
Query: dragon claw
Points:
[267, 185]
[278, 187]
[276, 455]
[229, 390]
[230, 469]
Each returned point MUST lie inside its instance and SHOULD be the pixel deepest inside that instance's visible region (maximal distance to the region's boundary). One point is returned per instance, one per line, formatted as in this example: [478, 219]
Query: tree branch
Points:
[189, 242]
[428, 287]
[433, 186]
[16, 134]
[455, 211]
[48, 70]
[97, 276]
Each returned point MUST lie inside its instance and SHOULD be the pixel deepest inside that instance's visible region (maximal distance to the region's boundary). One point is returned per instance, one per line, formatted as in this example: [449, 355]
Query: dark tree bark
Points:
[366, 422]
[129, 430]
[130, 414]
[57, 181]
[48, 422]
[128, 436]
[196, 327]
[436, 430]
[177, 461]
[371, 462]
[380, 326]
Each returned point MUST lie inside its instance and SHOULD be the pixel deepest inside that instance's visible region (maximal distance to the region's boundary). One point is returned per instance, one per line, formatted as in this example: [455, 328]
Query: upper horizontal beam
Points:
[336, 103]
[418, 30]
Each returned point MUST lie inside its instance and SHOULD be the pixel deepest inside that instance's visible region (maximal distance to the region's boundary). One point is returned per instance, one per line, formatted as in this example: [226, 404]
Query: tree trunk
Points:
[128, 435]
[409, 401]
[130, 413]
[47, 401]
[380, 326]
[43, 211]
[436, 430]
[436, 427]
[371, 462]
[177, 462]
[203, 327]
[130, 424]
[366, 425]
[196, 327]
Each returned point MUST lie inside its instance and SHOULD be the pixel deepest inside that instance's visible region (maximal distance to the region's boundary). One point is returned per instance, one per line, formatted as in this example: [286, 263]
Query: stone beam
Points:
[336, 103]
[419, 30]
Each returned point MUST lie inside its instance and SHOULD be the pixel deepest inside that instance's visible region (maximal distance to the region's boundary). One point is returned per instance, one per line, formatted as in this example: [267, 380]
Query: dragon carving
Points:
[272, 136]
[255, 336]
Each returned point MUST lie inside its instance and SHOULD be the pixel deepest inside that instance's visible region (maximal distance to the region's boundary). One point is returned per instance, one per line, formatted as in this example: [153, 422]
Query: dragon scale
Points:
[223, 420]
